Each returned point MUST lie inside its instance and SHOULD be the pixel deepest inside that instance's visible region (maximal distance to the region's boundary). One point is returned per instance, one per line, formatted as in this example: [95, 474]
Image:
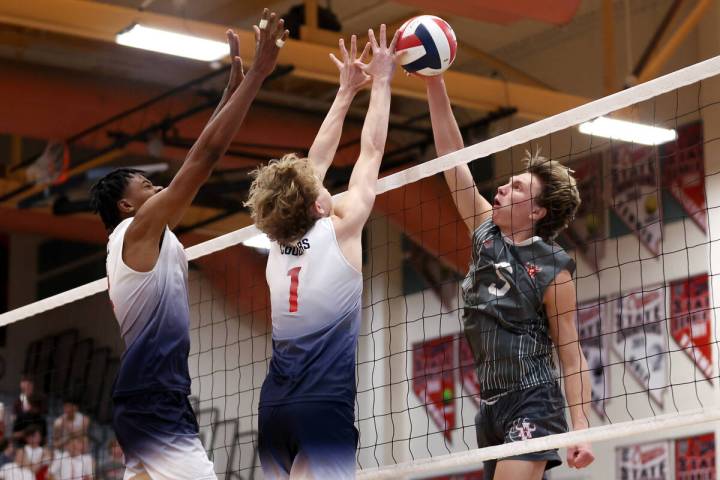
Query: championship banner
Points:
[640, 339]
[691, 319]
[683, 171]
[635, 193]
[695, 458]
[468, 376]
[649, 461]
[434, 380]
[590, 317]
[589, 226]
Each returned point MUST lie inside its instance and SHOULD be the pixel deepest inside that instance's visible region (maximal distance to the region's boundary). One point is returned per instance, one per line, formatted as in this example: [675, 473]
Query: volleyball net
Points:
[645, 245]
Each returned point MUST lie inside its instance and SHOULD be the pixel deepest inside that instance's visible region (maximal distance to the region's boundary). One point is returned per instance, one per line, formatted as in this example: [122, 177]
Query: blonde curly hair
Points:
[281, 196]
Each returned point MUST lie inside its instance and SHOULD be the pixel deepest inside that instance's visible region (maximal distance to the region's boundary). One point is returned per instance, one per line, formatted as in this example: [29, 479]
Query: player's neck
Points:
[518, 237]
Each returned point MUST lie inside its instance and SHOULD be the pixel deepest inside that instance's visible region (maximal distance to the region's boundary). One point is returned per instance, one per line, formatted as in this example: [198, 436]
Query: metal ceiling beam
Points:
[666, 51]
[99, 21]
[608, 21]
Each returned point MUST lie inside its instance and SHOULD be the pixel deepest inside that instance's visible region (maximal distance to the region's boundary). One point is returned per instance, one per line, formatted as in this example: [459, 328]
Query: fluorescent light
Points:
[628, 131]
[261, 242]
[172, 43]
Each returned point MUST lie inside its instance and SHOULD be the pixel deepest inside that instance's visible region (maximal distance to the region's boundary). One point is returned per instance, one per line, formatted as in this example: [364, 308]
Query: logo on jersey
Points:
[532, 269]
[297, 249]
[522, 429]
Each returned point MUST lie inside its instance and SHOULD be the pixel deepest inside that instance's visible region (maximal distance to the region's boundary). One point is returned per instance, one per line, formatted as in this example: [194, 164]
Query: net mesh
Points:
[643, 245]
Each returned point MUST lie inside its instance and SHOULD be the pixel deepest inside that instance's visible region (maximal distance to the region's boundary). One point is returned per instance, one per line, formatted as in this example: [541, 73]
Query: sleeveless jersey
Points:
[154, 316]
[315, 299]
[504, 316]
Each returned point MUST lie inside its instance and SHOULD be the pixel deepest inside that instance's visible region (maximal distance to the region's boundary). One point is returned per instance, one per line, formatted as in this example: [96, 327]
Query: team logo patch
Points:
[532, 269]
[488, 243]
[522, 429]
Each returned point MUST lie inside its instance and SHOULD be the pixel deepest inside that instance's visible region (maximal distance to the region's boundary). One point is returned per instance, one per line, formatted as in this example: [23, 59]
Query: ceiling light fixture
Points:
[628, 131]
[172, 43]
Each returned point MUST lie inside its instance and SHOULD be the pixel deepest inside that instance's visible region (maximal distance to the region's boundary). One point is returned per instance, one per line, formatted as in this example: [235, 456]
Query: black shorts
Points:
[522, 415]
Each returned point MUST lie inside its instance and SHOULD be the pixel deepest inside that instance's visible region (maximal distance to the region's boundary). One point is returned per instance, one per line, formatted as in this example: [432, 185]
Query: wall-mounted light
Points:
[172, 43]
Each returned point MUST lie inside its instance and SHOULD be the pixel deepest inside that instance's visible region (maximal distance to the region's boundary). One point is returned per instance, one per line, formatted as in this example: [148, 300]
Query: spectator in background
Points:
[7, 452]
[33, 455]
[113, 467]
[71, 423]
[73, 464]
[30, 409]
[11, 470]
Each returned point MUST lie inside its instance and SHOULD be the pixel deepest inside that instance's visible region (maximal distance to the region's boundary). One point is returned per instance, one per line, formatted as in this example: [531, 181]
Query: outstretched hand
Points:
[270, 36]
[237, 74]
[382, 66]
[352, 74]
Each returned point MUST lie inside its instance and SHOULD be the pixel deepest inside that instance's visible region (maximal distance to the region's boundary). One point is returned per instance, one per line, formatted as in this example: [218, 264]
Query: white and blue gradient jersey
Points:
[315, 297]
[154, 316]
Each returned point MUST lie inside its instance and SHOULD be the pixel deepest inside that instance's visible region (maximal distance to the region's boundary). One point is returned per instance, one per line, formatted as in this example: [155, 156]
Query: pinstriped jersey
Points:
[315, 297]
[504, 315]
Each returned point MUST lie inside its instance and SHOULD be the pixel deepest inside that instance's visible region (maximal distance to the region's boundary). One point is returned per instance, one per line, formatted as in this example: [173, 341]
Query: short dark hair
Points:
[32, 430]
[105, 194]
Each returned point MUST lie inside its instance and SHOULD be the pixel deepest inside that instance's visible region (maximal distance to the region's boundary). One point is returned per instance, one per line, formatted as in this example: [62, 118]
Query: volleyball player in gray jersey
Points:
[519, 304]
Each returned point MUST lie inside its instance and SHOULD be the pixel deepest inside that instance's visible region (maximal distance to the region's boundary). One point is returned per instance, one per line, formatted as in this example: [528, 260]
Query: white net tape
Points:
[556, 123]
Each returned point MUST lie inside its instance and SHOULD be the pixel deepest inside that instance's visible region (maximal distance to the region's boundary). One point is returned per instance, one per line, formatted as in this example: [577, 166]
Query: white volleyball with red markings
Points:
[427, 45]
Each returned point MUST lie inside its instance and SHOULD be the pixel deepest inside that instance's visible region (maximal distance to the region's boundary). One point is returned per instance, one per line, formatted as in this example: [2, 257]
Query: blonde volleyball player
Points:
[306, 411]
[147, 275]
[519, 303]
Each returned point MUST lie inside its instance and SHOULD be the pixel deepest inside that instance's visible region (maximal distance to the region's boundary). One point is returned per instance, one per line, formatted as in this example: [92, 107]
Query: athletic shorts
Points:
[307, 440]
[158, 433]
[522, 415]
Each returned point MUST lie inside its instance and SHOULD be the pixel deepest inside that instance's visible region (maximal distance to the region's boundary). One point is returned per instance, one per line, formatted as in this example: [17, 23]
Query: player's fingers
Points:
[383, 36]
[343, 49]
[256, 29]
[353, 47]
[373, 40]
[583, 459]
[337, 62]
[571, 452]
[366, 53]
[395, 39]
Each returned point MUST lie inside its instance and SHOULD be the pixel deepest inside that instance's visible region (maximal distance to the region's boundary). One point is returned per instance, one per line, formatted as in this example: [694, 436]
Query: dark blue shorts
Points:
[522, 415]
[309, 440]
[158, 433]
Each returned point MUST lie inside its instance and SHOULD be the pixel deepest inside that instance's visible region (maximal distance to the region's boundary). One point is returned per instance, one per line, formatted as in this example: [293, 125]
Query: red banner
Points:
[695, 458]
[691, 319]
[589, 226]
[635, 193]
[468, 376]
[684, 172]
[434, 380]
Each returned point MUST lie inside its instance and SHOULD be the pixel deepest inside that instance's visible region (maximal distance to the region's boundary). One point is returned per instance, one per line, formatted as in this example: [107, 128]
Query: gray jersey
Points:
[504, 316]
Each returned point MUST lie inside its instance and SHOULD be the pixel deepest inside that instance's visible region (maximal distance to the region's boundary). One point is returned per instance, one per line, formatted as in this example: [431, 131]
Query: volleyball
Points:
[427, 44]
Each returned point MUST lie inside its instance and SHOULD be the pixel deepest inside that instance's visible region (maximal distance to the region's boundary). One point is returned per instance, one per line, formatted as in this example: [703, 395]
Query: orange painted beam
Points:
[426, 213]
[49, 103]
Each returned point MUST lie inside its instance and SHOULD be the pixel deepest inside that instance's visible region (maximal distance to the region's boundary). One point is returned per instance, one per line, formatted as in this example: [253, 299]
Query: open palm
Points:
[352, 75]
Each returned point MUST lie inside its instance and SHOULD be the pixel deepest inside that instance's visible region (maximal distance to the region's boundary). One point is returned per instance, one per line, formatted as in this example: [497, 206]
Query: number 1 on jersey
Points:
[294, 274]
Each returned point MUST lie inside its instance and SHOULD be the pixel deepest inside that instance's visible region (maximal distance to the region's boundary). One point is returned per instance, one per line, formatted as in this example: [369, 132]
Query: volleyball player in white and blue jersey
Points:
[307, 403]
[147, 275]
